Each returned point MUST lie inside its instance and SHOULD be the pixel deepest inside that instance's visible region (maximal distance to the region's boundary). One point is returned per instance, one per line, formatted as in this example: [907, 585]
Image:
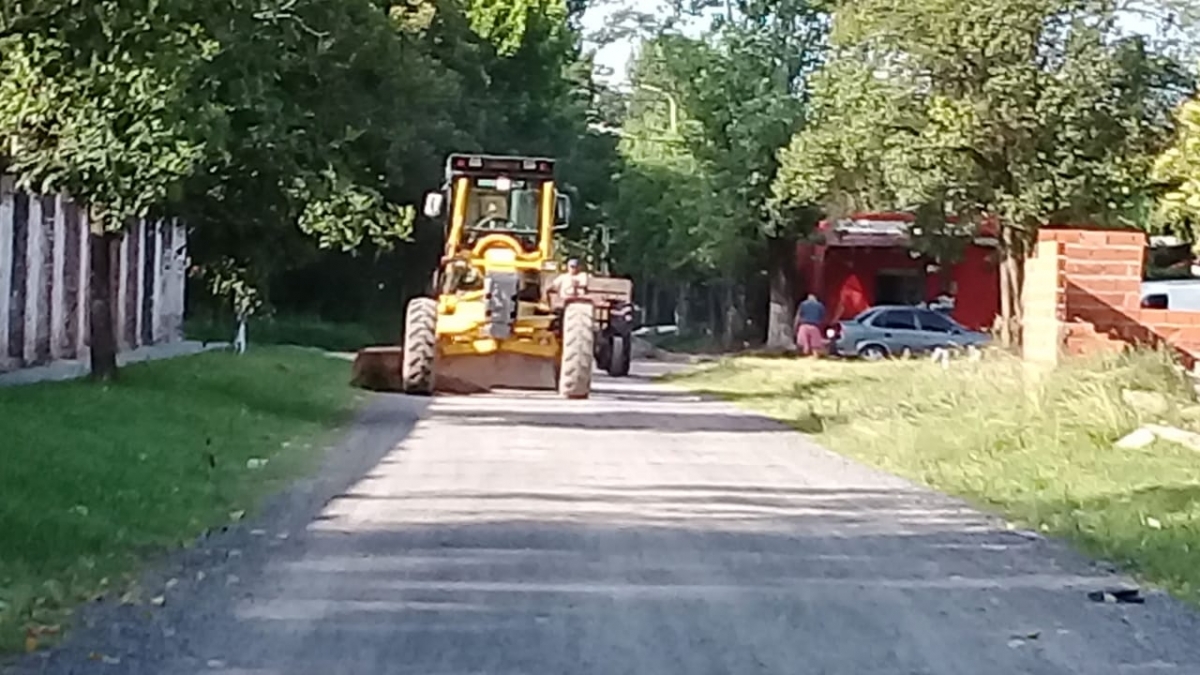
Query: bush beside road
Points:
[97, 479]
[1040, 453]
[297, 330]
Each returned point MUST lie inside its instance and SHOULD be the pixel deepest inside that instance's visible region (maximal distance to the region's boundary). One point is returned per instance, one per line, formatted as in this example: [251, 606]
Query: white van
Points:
[1179, 294]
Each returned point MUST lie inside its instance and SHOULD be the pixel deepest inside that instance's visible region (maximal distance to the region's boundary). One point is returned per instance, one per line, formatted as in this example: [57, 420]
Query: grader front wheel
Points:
[420, 346]
[578, 335]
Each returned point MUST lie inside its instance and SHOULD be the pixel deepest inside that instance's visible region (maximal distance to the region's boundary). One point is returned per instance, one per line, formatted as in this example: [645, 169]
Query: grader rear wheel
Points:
[420, 346]
[578, 335]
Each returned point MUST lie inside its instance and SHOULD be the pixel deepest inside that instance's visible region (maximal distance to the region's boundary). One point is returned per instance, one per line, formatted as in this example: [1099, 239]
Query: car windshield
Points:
[502, 206]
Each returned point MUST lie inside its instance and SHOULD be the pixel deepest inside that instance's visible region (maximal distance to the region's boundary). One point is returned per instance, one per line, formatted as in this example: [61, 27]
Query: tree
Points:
[1179, 168]
[740, 90]
[106, 102]
[291, 136]
[432, 83]
[1023, 111]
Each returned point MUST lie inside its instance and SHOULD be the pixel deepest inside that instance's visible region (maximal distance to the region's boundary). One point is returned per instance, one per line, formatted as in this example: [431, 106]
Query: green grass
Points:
[296, 330]
[684, 343]
[1039, 450]
[97, 479]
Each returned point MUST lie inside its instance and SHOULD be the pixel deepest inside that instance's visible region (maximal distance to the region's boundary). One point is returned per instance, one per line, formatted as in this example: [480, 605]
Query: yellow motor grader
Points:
[492, 322]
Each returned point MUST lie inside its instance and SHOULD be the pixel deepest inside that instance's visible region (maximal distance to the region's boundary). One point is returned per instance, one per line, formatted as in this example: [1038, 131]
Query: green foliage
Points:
[698, 195]
[232, 282]
[289, 134]
[341, 215]
[1179, 167]
[705, 121]
[106, 101]
[506, 22]
[1029, 111]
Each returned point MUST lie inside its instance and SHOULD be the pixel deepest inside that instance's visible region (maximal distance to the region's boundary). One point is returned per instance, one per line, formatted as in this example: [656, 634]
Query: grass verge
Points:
[96, 478]
[1038, 450]
[296, 330]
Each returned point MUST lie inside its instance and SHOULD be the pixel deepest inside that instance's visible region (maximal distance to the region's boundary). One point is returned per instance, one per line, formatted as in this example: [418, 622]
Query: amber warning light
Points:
[508, 165]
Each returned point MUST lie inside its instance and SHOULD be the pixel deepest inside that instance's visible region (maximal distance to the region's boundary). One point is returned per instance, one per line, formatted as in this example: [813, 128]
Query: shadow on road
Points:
[676, 580]
[667, 421]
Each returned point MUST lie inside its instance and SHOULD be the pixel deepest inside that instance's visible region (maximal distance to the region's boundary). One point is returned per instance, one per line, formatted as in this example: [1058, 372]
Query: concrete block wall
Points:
[44, 280]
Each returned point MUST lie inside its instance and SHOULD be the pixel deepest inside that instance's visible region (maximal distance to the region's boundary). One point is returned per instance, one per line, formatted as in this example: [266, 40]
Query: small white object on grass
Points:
[941, 356]
[1145, 435]
[1136, 440]
[239, 340]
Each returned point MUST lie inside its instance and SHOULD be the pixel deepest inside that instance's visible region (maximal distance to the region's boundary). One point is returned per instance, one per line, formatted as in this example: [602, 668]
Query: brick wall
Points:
[1099, 276]
[44, 280]
[1043, 301]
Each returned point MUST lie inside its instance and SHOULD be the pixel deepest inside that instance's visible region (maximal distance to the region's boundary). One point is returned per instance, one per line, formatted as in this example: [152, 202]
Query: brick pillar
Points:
[1042, 302]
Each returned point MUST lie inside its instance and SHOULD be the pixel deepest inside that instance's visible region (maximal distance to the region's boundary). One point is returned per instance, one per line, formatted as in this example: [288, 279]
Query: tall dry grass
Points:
[1036, 447]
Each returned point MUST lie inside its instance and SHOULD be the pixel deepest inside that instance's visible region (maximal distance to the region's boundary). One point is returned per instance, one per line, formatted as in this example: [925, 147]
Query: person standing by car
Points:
[809, 317]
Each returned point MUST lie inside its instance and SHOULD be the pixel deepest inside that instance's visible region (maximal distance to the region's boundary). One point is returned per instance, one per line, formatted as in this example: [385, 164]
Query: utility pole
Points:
[672, 105]
[672, 113]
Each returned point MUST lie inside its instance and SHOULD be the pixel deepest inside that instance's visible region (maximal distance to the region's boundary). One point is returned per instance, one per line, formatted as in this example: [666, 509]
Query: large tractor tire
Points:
[420, 346]
[578, 336]
[603, 350]
[621, 355]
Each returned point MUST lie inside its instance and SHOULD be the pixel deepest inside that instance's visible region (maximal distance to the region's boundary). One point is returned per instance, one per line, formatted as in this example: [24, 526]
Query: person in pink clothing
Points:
[810, 315]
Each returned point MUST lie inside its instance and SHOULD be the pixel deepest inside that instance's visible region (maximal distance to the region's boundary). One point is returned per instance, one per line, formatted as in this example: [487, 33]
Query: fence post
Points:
[6, 251]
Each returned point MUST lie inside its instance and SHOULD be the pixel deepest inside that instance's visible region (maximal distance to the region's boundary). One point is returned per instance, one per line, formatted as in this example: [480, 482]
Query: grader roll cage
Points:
[488, 323]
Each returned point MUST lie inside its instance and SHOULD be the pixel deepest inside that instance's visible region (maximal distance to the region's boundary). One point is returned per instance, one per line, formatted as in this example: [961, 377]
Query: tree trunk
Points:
[682, 302]
[102, 332]
[1011, 272]
[733, 317]
[781, 269]
[713, 309]
[650, 305]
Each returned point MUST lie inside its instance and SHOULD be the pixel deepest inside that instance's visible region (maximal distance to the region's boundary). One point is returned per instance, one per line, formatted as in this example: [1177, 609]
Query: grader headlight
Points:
[500, 254]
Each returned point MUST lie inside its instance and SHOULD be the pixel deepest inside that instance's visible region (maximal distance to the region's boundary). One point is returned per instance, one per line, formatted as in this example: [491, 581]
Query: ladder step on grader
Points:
[493, 320]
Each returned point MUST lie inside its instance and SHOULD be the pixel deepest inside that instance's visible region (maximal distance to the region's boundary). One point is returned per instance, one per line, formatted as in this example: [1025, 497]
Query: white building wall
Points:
[49, 320]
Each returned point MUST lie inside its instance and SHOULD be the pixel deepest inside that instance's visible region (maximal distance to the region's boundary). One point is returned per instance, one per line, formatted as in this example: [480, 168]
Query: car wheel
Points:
[872, 352]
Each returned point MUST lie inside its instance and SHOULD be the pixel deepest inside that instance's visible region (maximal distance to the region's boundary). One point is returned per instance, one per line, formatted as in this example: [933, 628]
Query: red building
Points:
[867, 259]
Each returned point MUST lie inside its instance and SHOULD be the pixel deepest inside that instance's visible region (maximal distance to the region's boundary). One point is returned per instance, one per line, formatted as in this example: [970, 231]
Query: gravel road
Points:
[644, 532]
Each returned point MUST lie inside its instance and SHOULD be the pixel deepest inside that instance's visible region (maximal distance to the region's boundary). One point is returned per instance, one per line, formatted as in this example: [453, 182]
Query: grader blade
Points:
[378, 369]
[474, 374]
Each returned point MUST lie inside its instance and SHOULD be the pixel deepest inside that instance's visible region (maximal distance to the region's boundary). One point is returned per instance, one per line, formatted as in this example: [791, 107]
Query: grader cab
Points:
[492, 322]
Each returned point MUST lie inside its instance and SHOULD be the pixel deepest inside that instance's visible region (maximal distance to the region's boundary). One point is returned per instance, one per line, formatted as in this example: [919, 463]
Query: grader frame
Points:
[489, 325]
